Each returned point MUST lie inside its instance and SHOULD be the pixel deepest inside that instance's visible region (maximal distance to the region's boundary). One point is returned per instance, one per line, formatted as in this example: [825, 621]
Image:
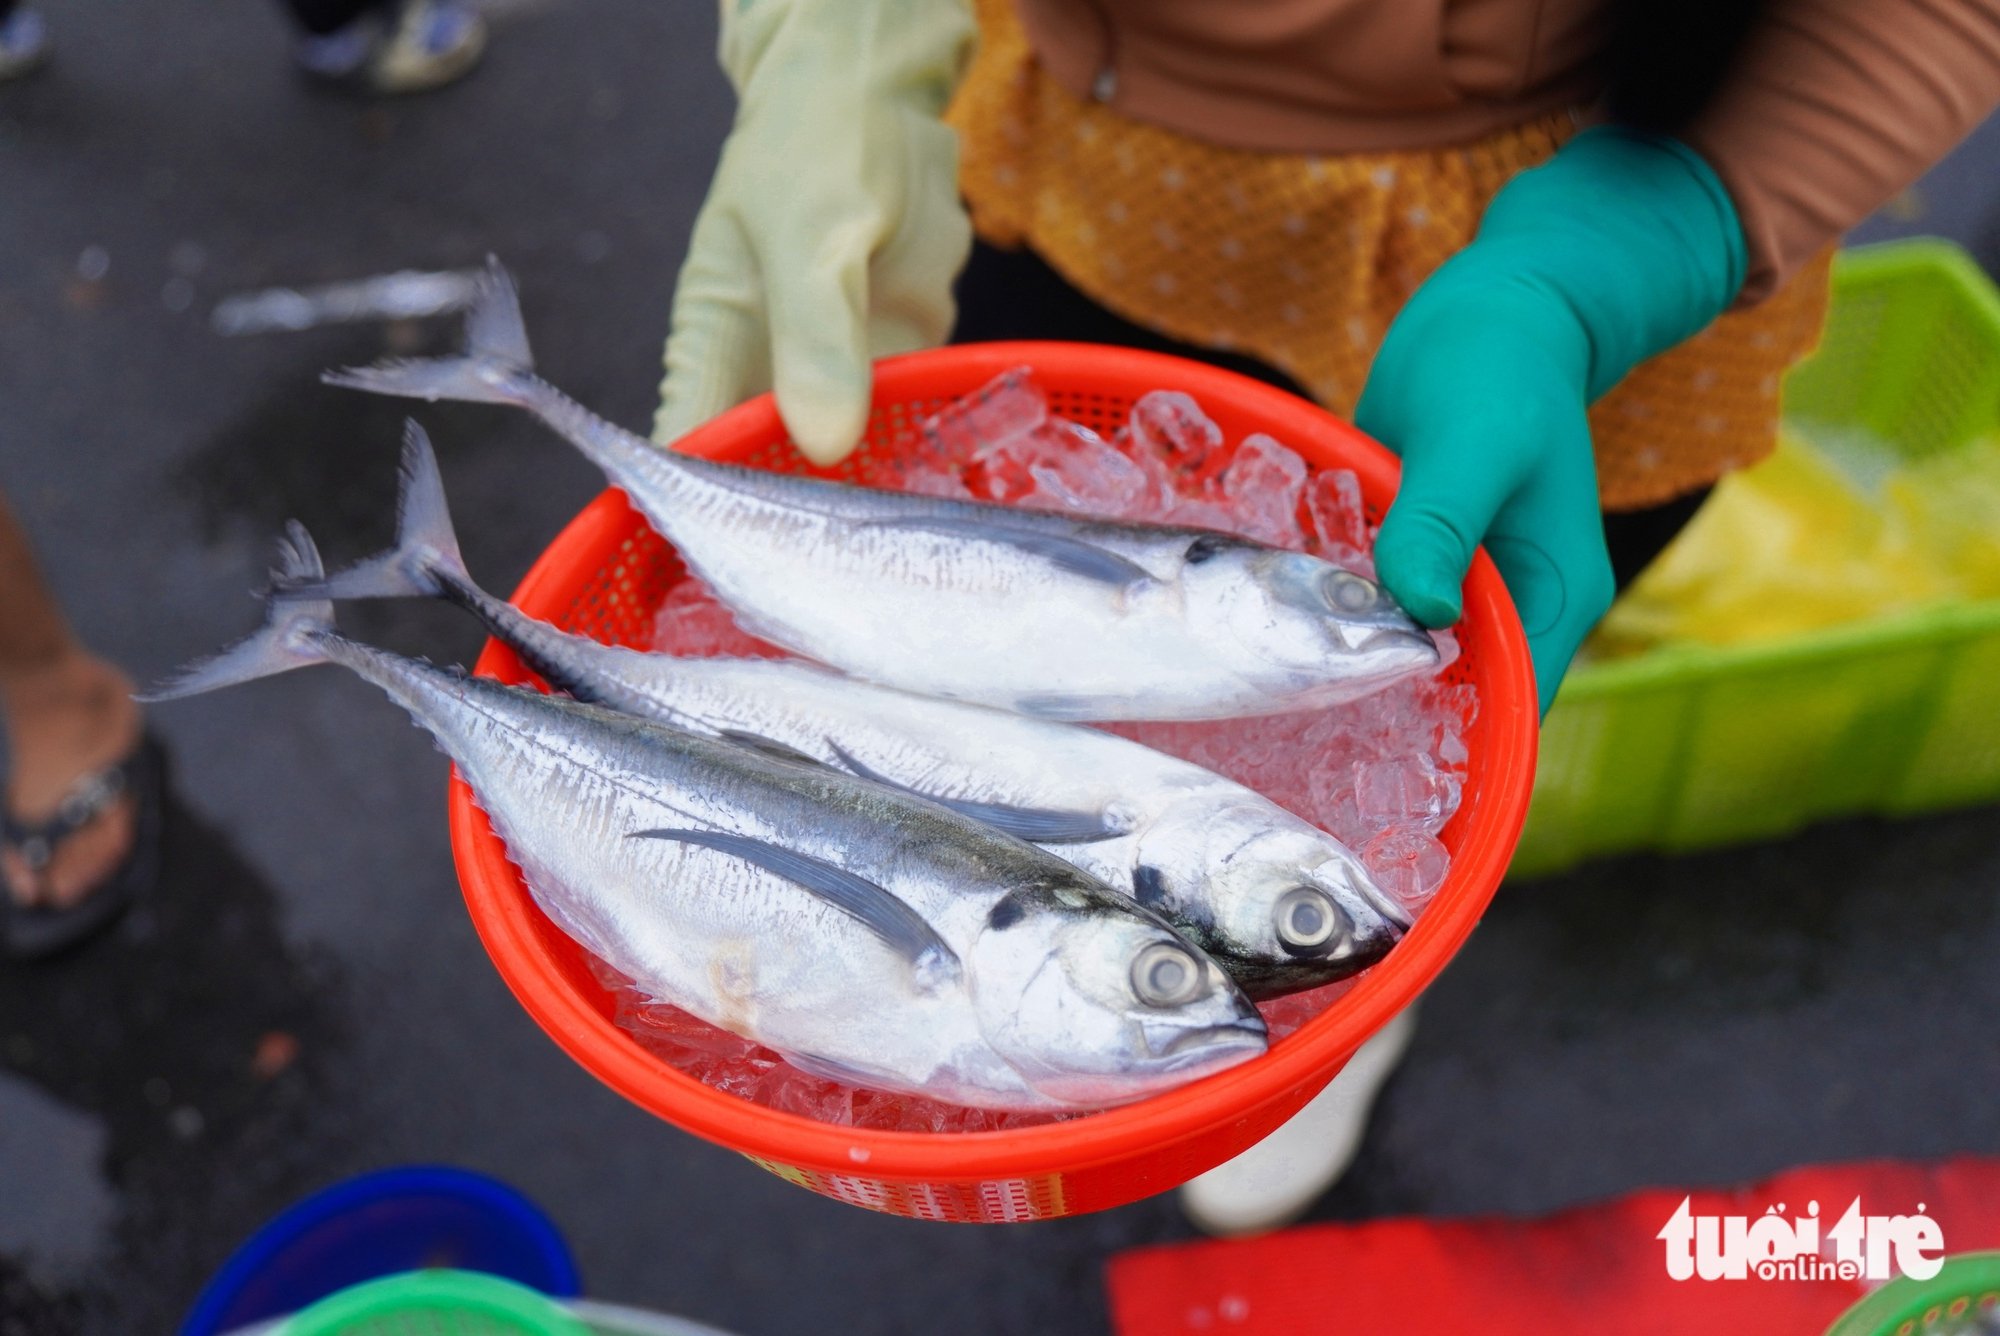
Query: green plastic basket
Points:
[459, 1305]
[434, 1303]
[1693, 747]
[1945, 1305]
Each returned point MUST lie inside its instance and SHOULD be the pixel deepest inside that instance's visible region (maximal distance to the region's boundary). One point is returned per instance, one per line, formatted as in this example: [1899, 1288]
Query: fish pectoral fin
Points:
[1059, 705]
[875, 908]
[1075, 555]
[757, 742]
[1040, 825]
[1037, 825]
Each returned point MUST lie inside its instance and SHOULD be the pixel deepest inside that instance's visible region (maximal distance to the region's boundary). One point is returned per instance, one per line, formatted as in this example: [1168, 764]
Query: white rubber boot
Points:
[1273, 1182]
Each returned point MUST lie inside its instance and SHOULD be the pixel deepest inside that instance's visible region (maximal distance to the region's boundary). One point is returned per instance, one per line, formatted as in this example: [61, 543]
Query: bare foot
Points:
[65, 721]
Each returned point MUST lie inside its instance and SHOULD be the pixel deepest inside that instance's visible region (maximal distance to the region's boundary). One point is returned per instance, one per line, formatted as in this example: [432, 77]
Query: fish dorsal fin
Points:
[1075, 555]
[1039, 825]
[875, 908]
[757, 742]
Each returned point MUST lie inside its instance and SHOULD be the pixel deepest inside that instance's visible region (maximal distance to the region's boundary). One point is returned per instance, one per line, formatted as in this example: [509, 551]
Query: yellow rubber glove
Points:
[833, 230]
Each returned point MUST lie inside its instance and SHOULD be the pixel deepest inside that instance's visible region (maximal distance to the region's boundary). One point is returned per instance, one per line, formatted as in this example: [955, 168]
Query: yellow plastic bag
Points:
[1801, 542]
[1950, 503]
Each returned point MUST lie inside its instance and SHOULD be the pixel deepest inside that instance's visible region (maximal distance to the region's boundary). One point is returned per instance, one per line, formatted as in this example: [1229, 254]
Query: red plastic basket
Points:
[605, 576]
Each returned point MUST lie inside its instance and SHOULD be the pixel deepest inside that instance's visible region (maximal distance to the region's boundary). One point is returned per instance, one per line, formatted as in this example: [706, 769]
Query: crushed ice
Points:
[1383, 774]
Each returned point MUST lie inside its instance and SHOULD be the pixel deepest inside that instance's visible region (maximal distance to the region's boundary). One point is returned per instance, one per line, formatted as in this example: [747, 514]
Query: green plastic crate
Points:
[1693, 747]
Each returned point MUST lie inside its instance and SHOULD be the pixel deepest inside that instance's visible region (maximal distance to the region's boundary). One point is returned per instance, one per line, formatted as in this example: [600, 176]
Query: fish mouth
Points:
[1399, 639]
[1379, 900]
[1196, 1047]
[1264, 979]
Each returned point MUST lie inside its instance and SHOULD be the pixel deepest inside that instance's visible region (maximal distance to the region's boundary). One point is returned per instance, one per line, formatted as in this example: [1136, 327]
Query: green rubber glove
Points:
[832, 230]
[1619, 247]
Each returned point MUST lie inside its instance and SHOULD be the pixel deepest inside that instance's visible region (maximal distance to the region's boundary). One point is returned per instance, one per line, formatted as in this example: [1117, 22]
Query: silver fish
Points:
[1069, 618]
[865, 934]
[1280, 904]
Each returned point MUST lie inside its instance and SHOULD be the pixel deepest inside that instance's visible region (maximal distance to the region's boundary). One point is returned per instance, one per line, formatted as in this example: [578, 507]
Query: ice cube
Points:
[1009, 405]
[1163, 478]
[793, 1091]
[1262, 486]
[873, 1109]
[1066, 468]
[1002, 470]
[1171, 427]
[1197, 513]
[1451, 748]
[1333, 496]
[1408, 863]
[1340, 816]
[929, 475]
[1436, 704]
[1405, 791]
[750, 1079]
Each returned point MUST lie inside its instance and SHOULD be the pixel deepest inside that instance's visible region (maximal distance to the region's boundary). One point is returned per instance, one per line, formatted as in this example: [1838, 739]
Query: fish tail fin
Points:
[496, 368]
[424, 563]
[294, 633]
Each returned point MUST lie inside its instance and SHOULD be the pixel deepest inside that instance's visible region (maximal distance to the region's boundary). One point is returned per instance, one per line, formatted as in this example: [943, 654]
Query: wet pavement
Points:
[305, 999]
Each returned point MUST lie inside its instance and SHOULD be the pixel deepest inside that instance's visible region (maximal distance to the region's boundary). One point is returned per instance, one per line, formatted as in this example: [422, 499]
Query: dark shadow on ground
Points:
[237, 1035]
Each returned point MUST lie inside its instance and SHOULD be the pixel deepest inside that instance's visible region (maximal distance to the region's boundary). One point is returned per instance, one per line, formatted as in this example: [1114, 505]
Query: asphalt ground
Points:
[304, 997]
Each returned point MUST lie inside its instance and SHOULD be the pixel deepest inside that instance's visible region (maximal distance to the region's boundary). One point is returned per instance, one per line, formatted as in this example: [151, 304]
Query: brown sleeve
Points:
[1837, 105]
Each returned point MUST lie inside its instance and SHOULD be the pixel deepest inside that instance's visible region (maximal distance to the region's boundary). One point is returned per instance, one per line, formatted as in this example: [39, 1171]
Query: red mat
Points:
[1598, 1269]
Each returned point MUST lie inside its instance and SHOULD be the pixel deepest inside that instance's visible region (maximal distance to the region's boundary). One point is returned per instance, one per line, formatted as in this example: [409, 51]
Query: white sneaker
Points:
[1273, 1182]
[424, 44]
[435, 42]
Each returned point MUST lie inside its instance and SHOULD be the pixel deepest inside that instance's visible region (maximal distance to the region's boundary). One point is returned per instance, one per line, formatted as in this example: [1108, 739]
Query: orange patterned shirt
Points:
[1301, 260]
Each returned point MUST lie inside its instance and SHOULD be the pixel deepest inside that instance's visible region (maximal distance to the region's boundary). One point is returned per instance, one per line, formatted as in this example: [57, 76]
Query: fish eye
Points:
[1165, 975]
[1345, 591]
[1307, 918]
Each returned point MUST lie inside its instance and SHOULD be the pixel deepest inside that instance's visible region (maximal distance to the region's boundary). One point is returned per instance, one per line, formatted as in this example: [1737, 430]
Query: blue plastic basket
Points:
[379, 1224]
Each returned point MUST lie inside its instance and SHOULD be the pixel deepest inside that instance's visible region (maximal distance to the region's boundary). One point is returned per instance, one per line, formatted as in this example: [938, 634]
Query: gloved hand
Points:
[1619, 247]
[833, 229]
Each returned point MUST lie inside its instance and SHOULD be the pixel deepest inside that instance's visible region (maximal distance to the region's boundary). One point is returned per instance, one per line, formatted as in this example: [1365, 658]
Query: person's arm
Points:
[832, 230]
[1836, 105]
[1620, 247]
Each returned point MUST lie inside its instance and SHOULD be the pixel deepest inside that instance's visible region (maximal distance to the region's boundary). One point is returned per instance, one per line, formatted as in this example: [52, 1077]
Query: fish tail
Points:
[296, 633]
[424, 563]
[496, 368]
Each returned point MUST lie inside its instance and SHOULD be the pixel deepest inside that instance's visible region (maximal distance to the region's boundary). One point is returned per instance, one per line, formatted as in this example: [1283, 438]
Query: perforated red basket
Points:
[605, 576]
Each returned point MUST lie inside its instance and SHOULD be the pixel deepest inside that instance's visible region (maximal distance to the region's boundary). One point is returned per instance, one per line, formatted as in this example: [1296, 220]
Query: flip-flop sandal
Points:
[34, 932]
